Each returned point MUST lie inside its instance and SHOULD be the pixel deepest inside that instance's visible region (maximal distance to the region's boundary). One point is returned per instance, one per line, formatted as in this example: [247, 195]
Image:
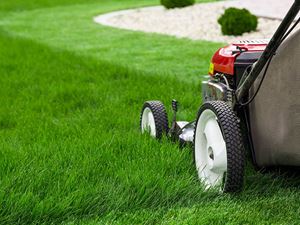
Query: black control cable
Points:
[267, 66]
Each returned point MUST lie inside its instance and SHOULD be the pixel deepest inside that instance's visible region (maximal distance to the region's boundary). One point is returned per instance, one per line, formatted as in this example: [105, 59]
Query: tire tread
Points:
[160, 117]
[231, 131]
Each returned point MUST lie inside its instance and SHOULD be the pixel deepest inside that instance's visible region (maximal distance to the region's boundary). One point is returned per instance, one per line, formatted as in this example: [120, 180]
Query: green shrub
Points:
[237, 21]
[169, 4]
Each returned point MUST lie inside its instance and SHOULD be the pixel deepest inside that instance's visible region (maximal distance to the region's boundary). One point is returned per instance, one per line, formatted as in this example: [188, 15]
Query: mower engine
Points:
[227, 67]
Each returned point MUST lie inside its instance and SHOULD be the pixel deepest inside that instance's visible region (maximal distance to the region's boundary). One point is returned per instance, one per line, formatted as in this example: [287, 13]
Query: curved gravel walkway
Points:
[197, 22]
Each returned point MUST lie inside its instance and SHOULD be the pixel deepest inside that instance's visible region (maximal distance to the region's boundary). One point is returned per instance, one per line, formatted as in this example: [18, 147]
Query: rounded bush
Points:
[169, 4]
[237, 21]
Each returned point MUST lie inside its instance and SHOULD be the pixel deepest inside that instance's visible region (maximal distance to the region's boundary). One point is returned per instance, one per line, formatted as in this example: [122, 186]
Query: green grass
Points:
[21, 5]
[71, 93]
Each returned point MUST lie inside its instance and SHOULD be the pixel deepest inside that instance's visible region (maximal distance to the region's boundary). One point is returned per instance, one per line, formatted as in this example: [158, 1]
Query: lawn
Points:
[71, 152]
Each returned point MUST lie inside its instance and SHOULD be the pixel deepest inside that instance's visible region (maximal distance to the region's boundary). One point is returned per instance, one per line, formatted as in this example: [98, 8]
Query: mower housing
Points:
[275, 113]
[238, 54]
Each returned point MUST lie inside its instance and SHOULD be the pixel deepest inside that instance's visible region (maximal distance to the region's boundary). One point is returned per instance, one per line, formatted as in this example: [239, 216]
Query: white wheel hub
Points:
[210, 150]
[148, 122]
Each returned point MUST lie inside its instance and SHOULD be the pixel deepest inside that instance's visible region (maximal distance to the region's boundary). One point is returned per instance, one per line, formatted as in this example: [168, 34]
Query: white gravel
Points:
[197, 22]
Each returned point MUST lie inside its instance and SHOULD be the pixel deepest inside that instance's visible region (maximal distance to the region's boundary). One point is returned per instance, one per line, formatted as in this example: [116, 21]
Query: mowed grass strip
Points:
[71, 150]
[22, 5]
[72, 28]
[70, 141]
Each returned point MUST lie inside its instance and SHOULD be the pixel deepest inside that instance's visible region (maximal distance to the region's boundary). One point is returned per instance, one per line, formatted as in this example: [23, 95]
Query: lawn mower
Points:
[234, 117]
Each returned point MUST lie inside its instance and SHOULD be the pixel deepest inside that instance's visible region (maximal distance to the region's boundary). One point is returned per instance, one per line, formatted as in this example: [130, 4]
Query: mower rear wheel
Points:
[154, 119]
[218, 148]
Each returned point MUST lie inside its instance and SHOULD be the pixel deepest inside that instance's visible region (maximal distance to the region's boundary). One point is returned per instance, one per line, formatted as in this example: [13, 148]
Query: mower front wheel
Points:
[218, 147]
[154, 119]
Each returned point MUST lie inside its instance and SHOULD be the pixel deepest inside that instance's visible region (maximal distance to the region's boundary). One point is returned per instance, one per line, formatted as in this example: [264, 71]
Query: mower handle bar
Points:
[270, 50]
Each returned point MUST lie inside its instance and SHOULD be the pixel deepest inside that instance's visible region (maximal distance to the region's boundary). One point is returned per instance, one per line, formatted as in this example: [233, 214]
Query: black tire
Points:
[229, 125]
[158, 110]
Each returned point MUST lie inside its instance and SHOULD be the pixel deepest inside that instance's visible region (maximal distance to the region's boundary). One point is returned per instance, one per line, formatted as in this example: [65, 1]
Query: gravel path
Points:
[197, 22]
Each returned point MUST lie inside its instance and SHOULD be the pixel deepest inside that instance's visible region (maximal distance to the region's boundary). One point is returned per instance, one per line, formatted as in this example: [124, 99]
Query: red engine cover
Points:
[224, 59]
